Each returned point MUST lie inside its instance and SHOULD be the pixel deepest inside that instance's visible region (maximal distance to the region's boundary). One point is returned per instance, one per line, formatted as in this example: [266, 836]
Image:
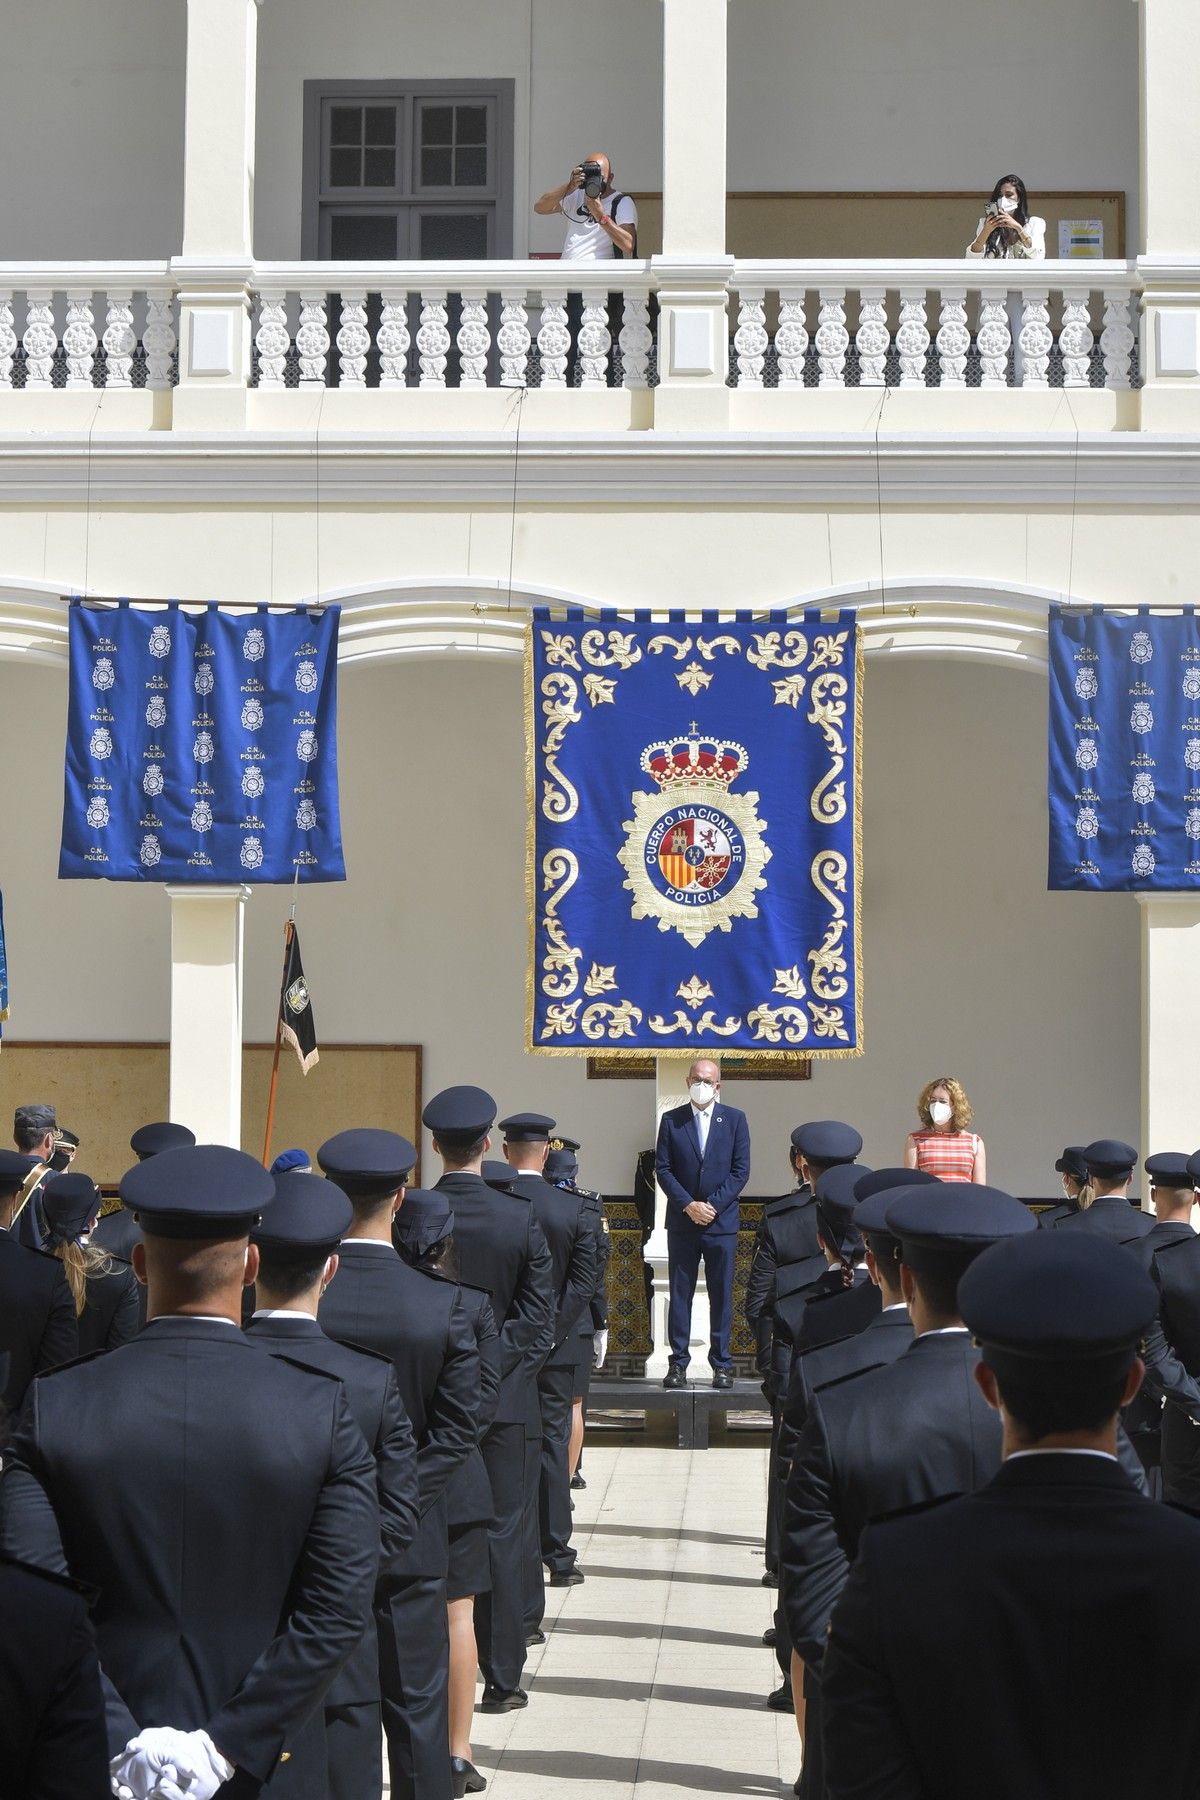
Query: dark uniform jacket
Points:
[1113, 1217]
[53, 1744]
[469, 1494]
[787, 1233]
[500, 1248]
[117, 1232]
[222, 1503]
[989, 1648]
[374, 1400]
[377, 1302]
[564, 1221]
[816, 1312]
[1176, 1270]
[594, 1316]
[37, 1316]
[881, 1341]
[111, 1313]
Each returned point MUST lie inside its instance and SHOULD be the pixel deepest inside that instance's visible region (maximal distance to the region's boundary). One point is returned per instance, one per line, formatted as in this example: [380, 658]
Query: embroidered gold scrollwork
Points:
[771, 650]
[560, 1019]
[664, 641]
[708, 647]
[560, 872]
[620, 1018]
[706, 1023]
[612, 649]
[775, 1023]
[828, 875]
[599, 689]
[828, 650]
[829, 1021]
[828, 696]
[602, 979]
[560, 650]
[560, 801]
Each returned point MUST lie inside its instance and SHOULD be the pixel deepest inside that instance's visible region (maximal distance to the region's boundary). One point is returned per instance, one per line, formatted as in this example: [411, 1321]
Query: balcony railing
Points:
[553, 325]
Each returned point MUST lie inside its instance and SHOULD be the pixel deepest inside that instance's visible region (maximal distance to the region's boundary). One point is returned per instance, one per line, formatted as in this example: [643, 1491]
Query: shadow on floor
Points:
[569, 1625]
[600, 1687]
[696, 1577]
[587, 1765]
[665, 1532]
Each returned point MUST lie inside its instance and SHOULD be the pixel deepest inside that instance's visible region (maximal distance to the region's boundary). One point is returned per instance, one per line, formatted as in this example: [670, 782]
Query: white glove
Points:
[135, 1772]
[600, 1347]
[200, 1770]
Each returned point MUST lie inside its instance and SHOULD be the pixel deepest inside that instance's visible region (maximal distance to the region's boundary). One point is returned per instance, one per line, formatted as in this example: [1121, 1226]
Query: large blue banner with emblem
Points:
[694, 794]
[1124, 783]
[202, 745]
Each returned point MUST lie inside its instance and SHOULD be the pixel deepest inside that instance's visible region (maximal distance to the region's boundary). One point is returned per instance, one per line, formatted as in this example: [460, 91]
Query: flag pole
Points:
[289, 932]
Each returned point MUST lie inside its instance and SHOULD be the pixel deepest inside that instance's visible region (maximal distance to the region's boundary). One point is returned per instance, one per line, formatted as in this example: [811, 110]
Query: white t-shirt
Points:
[587, 241]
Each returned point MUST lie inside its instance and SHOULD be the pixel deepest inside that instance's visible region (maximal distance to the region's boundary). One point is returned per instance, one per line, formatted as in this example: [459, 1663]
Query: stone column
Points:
[693, 269]
[214, 269]
[206, 1011]
[1170, 219]
[1170, 1022]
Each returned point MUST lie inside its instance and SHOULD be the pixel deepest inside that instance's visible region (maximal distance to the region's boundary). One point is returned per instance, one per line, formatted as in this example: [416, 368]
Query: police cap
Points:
[827, 1141]
[874, 1189]
[366, 1163]
[500, 1175]
[308, 1213]
[291, 1159]
[39, 1119]
[198, 1191]
[1058, 1308]
[1073, 1162]
[1169, 1169]
[70, 1204]
[460, 1114]
[560, 1141]
[952, 1220]
[14, 1167]
[1110, 1159]
[835, 1207]
[527, 1128]
[423, 1221]
[561, 1165]
[152, 1140]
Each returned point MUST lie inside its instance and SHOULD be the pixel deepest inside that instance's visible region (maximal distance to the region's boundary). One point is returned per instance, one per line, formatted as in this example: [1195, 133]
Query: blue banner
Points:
[1124, 781]
[202, 745]
[693, 870]
[3, 971]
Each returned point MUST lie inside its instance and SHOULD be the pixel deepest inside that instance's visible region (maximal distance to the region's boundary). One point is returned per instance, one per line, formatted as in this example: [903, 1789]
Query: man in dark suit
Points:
[1110, 1165]
[500, 1247]
[568, 1232]
[382, 1304]
[117, 1232]
[221, 1502]
[38, 1328]
[936, 1674]
[297, 1245]
[702, 1162]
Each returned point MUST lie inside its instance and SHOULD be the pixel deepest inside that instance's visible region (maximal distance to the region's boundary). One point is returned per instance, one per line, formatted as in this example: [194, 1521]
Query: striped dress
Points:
[950, 1155]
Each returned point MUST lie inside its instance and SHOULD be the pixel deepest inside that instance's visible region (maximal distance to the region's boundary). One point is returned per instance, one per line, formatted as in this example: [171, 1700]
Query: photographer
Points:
[601, 226]
[1006, 228]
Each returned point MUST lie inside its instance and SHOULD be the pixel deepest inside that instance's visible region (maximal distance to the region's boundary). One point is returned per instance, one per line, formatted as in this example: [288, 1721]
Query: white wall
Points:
[972, 968]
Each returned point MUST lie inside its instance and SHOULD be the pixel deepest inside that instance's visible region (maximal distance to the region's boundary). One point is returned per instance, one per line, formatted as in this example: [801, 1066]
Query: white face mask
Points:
[940, 1112]
[1066, 1192]
[1007, 204]
[701, 1092]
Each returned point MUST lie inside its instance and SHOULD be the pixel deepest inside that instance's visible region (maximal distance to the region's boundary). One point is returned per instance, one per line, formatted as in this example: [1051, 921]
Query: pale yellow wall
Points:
[971, 967]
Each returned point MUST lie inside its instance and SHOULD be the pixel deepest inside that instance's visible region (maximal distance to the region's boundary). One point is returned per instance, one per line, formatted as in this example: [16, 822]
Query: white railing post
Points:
[554, 338]
[791, 337]
[474, 339]
[1116, 340]
[513, 337]
[79, 338]
[635, 341]
[393, 338]
[158, 339]
[912, 337]
[312, 338]
[353, 340]
[872, 340]
[1035, 339]
[994, 339]
[750, 340]
[8, 337]
[272, 339]
[953, 338]
[595, 341]
[1076, 338]
[119, 341]
[433, 339]
[833, 340]
[40, 339]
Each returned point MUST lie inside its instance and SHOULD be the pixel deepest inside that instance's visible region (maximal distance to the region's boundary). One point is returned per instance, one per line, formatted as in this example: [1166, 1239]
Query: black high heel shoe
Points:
[467, 1779]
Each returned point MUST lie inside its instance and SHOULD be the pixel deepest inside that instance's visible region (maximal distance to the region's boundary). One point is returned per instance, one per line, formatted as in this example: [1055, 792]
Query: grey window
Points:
[407, 171]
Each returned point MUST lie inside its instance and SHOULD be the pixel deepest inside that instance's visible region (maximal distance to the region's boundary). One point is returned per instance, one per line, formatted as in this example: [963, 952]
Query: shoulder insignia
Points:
[471, 1287]
[910, 1512]
[76, 1362]
[827, 1387]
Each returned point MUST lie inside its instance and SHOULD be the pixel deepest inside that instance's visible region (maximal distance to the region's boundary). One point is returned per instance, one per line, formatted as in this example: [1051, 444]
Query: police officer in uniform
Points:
[989, 1646]
[117, 1232]
[38, 1328]
[35, 1131]
[1072, 1169]
[297, 1244]
[379, 1303]
[1110, 1165]
[572, 1244]
[591, 1329]
[221, 1502]
[500, 1246]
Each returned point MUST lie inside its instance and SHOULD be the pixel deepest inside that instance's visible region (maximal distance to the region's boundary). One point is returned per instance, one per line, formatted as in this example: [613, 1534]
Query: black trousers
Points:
[556, 1387]
[500, 1615]
[354, 1747]
[774, 1494]
[534, 1606]
[414, 1672]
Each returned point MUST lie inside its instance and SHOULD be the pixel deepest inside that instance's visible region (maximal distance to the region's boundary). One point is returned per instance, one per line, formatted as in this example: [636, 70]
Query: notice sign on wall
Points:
[1080, 237]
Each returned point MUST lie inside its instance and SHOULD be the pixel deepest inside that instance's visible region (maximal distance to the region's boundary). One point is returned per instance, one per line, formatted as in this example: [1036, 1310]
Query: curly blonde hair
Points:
[960, 1113]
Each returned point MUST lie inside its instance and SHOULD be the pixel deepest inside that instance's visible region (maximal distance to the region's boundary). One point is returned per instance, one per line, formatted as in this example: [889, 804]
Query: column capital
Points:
[233, 892]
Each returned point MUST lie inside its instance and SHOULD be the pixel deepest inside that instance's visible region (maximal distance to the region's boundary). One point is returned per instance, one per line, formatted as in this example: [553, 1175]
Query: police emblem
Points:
[693, 852]
[297, 996]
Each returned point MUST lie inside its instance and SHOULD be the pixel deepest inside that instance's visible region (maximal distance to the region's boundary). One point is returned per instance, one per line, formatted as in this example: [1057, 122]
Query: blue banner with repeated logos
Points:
[202, 745]
[694, 823]
[1124, 782]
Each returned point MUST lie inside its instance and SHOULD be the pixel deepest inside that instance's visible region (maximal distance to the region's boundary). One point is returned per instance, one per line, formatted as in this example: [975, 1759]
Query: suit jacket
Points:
[881, 1341]
[990, 1647]
[787, 1233]
[565, 1226]
[369, 1383]
[111, 1313]
[52, 1738]
[501, 1248]
[377, 1302]
[117, 1233]
[594, 1316]
[222, 1503]
[898, 1436]
[816, 1312]
[718, 1177]
[469, 1494]
[1113, 1217]
[37, 1317]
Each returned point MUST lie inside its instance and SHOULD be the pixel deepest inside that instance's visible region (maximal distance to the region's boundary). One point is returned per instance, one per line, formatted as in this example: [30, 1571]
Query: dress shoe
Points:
[768, 1638]
[675, 1377]
[565, 1578]
[467, 1779]
[533, 1639]
[723, 1378]
[577, 1480]
[771, 1578]
[780, 1699]
[498, 1700]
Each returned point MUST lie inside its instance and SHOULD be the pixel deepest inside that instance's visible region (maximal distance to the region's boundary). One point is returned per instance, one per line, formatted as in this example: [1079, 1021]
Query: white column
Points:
[218, 226]
[1170, 1021]
[1170, 222]
[206, 1011]
[693, 270]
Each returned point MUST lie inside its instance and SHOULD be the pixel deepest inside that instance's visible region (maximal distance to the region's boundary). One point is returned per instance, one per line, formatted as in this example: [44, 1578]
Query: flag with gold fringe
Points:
[296, 1023]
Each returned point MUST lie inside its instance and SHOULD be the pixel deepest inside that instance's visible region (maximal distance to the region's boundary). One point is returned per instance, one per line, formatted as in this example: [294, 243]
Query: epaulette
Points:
[1180, 1506]
[472, 1287]
[88, 1594]
[911, 1511]
[827, 1387]
[362, 1350]
[296, 1359]
[76, 1362]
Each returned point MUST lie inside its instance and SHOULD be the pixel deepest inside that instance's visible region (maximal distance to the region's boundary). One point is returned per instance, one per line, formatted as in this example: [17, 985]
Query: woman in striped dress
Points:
[945, 1146]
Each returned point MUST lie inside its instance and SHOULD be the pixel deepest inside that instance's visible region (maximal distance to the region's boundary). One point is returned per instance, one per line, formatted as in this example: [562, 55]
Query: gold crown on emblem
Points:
[696, 761]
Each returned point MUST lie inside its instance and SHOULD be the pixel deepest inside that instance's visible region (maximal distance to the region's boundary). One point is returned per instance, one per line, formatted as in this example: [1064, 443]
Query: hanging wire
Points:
[887, 394]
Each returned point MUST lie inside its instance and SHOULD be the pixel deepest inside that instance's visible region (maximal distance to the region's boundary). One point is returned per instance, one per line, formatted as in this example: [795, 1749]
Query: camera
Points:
[995, 210]
[593, 179]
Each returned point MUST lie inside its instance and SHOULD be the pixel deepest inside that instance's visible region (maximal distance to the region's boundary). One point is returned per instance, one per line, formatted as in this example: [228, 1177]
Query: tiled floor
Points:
[652, 1681]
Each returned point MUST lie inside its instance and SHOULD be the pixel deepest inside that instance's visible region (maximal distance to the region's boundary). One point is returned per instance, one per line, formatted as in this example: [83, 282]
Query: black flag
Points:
[296, 1021]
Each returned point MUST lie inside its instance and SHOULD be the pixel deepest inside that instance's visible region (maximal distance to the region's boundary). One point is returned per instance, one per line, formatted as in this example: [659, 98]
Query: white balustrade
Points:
[353, 341]
[79, 339]
[554, 338]
[80, 326]
[474, 340]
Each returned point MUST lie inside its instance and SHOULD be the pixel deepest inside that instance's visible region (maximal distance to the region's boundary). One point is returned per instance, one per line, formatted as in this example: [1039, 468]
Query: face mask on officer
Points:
[940, 1111]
